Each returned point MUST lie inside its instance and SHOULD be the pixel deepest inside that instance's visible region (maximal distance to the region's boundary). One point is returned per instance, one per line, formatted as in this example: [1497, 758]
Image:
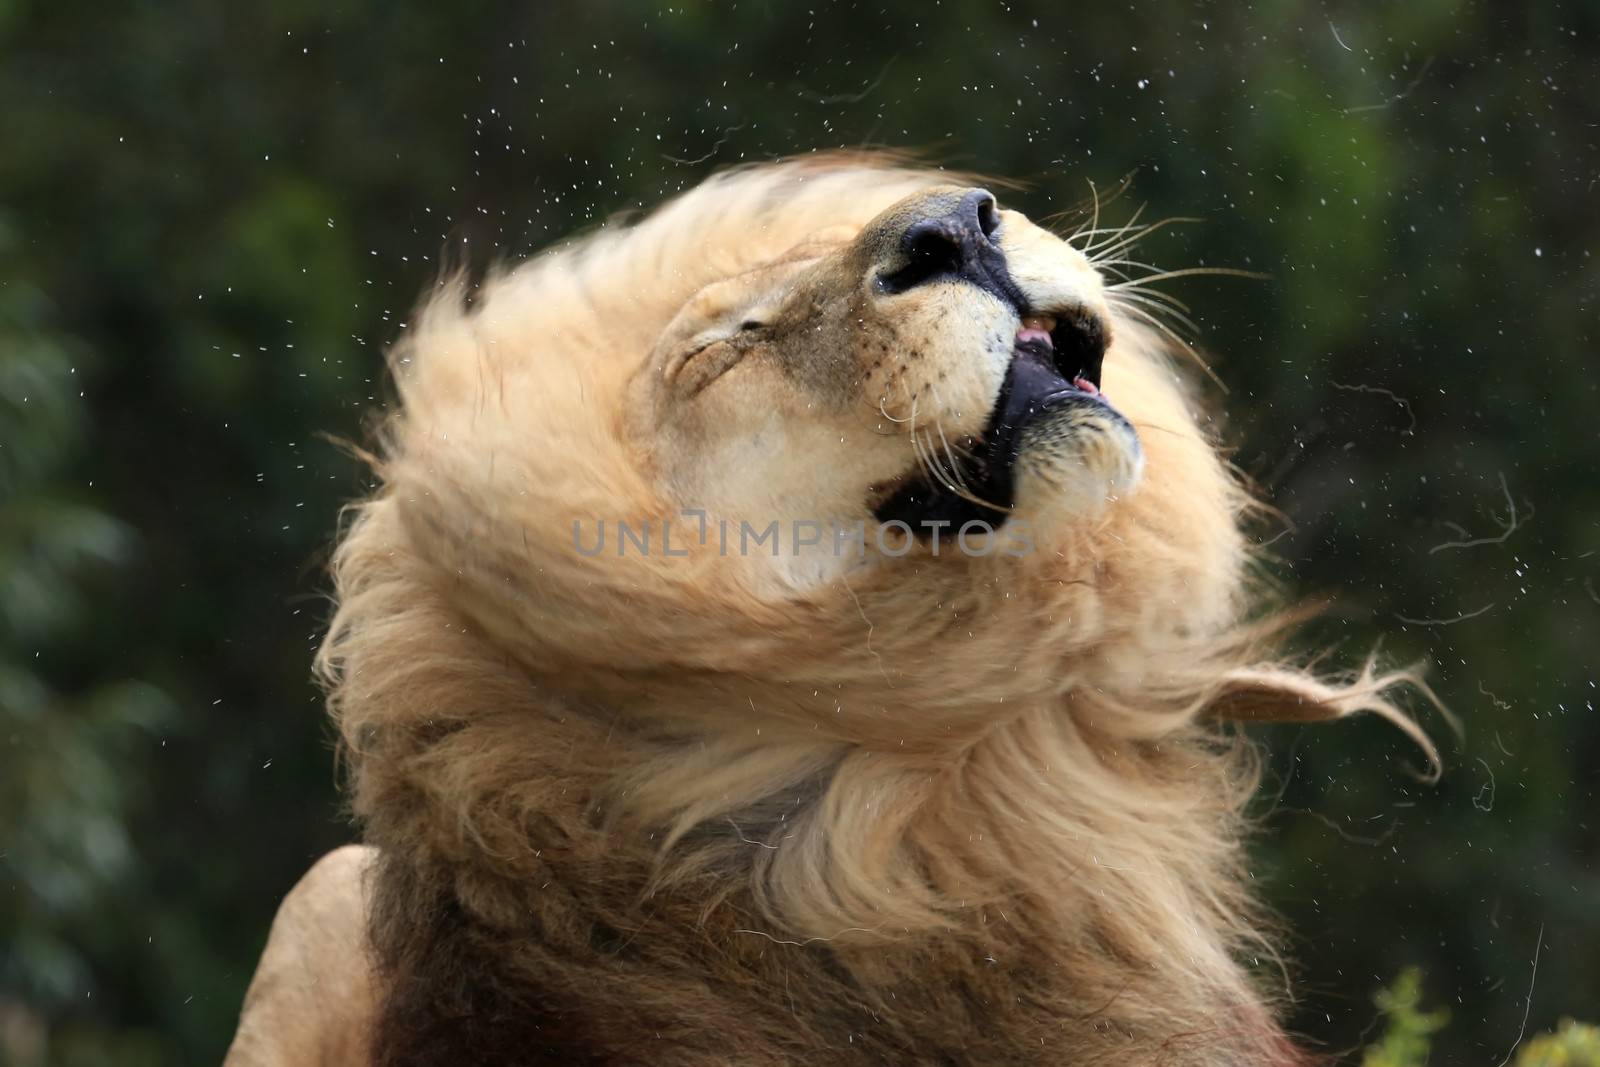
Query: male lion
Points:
[793, 629]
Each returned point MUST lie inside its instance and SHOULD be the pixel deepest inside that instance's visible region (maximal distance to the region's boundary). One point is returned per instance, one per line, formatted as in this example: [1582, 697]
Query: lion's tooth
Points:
[1039, 322]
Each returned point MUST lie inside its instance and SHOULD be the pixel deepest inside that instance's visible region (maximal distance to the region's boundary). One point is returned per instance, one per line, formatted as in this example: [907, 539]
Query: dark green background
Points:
[213, 218]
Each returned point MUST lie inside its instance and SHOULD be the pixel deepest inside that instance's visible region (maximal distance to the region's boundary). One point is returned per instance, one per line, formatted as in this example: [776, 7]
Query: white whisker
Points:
[1229, 272]
[1184, 346]
[1156, 308]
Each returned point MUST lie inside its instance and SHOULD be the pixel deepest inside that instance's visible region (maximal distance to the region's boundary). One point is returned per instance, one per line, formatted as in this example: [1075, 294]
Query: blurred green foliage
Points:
[216, 216]
[1409, 1033]
[1572, 1045]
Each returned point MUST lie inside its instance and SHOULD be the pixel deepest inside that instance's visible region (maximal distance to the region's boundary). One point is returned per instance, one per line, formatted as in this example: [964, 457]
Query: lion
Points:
[802, 626]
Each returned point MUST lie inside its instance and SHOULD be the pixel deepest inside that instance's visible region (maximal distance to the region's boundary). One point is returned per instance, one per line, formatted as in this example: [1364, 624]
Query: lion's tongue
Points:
[1036, 328]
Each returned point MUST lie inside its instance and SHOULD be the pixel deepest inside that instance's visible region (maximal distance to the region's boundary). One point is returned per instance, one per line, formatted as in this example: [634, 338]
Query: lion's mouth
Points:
[1054, 363]
[1071, 349]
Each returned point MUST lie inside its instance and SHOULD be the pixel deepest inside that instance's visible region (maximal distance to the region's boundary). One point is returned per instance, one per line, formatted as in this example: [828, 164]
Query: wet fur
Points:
[644, 812]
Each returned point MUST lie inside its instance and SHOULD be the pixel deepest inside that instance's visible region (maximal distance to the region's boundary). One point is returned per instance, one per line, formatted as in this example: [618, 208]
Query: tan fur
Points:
[312, 999]
[735, 809]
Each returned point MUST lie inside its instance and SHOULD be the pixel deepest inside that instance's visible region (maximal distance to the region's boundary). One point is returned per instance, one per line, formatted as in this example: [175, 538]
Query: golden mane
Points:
[1048, 810]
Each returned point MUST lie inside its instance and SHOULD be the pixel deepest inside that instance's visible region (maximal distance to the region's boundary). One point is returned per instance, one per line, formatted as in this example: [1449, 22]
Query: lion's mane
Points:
[630, 813]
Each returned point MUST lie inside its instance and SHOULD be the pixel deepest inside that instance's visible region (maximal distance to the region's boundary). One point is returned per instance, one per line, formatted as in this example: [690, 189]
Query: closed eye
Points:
[699, 367]
[682, 359]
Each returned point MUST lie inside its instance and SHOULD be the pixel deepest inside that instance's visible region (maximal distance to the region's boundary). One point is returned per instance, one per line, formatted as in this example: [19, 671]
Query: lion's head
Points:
[937, 366]
[850, 439]
[838, 509]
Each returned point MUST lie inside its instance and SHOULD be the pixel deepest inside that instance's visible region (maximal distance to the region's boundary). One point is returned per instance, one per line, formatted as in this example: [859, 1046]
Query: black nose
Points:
[957, 243]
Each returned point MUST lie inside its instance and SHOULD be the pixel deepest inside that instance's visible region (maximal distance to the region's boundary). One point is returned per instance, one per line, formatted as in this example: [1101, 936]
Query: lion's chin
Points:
[1075, 462]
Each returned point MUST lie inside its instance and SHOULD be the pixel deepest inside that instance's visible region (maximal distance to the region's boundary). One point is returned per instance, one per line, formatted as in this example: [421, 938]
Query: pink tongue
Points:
[1086, 385]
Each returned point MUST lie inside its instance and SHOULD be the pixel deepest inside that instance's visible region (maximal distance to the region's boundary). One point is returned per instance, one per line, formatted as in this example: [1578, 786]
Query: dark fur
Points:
[587, 965]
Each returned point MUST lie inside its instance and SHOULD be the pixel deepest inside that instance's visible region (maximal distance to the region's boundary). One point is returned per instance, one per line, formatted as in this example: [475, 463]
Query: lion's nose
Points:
[958, 233]
[956, 241]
